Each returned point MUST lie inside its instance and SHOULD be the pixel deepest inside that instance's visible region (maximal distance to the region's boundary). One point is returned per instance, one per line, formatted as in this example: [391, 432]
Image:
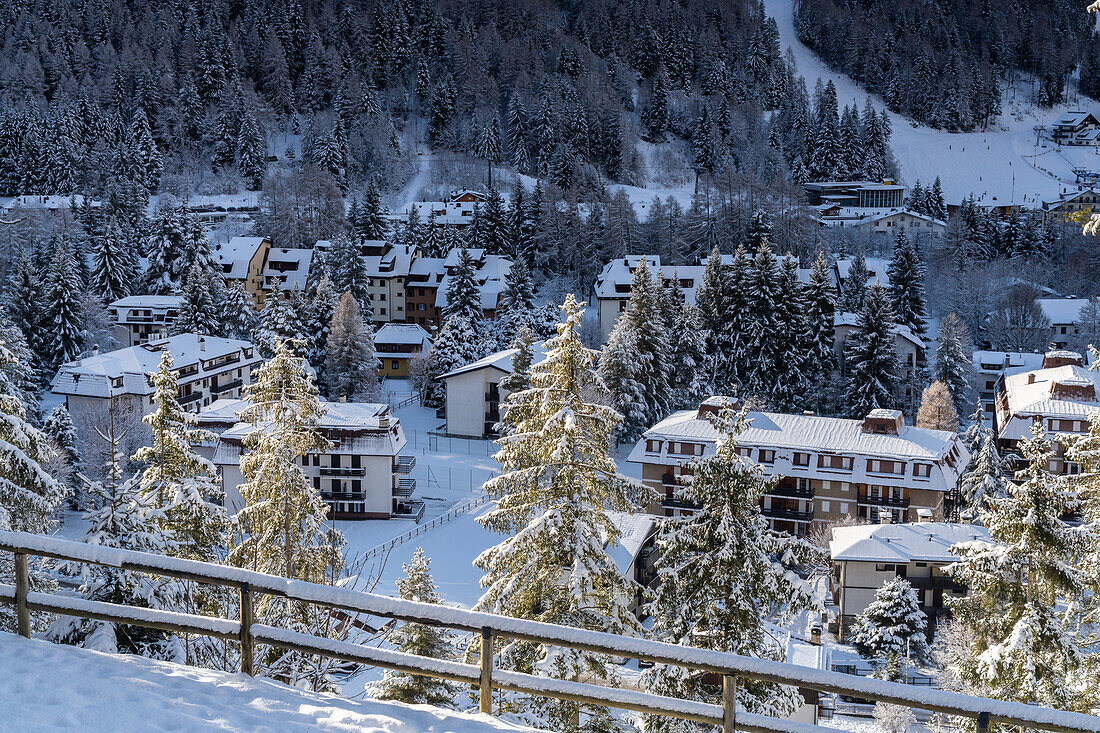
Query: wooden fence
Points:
[244, 630]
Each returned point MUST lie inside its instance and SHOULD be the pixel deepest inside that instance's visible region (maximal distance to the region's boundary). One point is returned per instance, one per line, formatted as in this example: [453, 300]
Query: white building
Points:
[1061, 395]
[474, 395]
[866, 556]
[362, 476]
[882, 221]
[990, 366]
[613, 284]
[287, 268]
[878, 269]
[457, 210]
[1064, 315]
[141, 318]
[827, 467]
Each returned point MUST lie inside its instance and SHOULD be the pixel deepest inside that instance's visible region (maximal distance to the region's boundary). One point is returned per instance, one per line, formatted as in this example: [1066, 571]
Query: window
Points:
[886, 568]
[356, 461]
[305, 460]
[879, 466]
[420, 306]
[382, 296]
[653, 446]
[357, 485]
[316, 459]
[922, 470]
[801, 459]
[317, 483]
[766, 456]
[744, 452]
[824, 506]
[334, 460]
[381, 311]
[394, 364]
[843, 463]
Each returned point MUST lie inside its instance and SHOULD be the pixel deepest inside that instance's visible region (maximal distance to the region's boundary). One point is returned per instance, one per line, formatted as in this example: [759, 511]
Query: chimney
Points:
[1031, 377]
[202, 343]
[717, 404]
[883, 422]
[384, 422]
[808, 413]
[885, 517]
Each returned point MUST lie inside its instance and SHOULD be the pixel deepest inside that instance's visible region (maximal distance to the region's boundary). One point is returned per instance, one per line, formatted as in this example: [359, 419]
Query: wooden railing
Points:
[247, 633]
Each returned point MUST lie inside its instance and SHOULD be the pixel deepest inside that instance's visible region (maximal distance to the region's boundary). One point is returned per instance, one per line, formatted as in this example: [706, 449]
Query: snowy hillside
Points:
[998, 166]
[58, 688]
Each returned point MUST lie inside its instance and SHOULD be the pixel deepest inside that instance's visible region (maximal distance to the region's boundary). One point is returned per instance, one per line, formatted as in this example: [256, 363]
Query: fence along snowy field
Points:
[730, 666]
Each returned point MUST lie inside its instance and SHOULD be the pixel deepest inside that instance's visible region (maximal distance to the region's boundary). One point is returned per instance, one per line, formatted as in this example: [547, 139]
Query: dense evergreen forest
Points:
[943, 63]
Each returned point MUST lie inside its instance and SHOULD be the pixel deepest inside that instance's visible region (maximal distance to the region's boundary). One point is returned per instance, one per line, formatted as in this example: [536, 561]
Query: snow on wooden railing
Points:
[731, 667]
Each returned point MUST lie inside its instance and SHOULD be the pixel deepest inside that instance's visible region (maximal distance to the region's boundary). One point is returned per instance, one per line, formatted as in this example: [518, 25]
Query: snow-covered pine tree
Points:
[820, 357]
[689, 380]
[351, 363]
[64, 318]
[418, 639]
[123, 517]
[199, 311]
[24, 302]
[1026, 592]
[237, 313]
[322, 306]
[986, 476]
[761, 343]
[280, 320]
[18, 372]
[282, 529]
[870, 358]
[907, 285]
[954, 365]
[618, 378]
[793, 341]
[655, 114]
[349, 272]
[557, 483]
[372, 224]
[463, 293]
[30, 496]
[892, 628]
[936, 206]
[937, 408]
[517, 302]
[714, 302]
[251, 152]
[113, 270]
[855, 285]
[495, 225]
[723, 574]
[58, 427]
[456, 344]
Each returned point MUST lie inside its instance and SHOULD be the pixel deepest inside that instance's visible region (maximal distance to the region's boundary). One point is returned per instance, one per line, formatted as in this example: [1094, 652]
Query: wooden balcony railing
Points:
[248, 634]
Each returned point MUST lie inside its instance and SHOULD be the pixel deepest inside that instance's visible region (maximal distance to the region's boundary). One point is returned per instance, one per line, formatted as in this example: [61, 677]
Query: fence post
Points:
[247, 646]
[22, 586]
[729, 703]
[485, 703]
[983, 723]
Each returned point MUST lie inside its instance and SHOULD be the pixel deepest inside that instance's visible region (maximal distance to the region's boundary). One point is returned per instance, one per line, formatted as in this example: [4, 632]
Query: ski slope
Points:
[46, 687]
[998, 166]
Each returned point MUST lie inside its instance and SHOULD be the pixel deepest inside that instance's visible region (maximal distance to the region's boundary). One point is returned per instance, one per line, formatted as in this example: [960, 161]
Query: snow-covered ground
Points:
[999, 165]
[46, 687]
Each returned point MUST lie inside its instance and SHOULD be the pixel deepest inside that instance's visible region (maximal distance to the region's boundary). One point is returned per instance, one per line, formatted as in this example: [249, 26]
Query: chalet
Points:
[866, 556]
[363, 474]
[1070, 128]
[287, 269]
[207, 368]
[884, 221]
[1072, 203]
[396, 344]
[457, 210]
[1061, 395]
[242, 261]
[827, 467]
[990, 366]
[137, 319]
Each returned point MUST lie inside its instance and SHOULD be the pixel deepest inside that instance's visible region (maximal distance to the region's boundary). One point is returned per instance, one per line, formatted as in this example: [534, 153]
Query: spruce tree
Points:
[251, 152]
[722, 574]
[322, 307]
[113, 271]
[892, 627]
[463, 293]
[64, 316]
[349, 272]
[418, 639]
[25, 304]
[820, 357]
[517, 302]
[689, 380]
[58, 427]
[556, 486]
[655, 114]
[495, 222]
[986, 476]
[372, 223]
[199, 311]
[456, 344]
[953, 364]
[237, 313]
[761, 342]
[870, 357]
[907, 285]
[1026, 592]
[854, 287]
[793, 340]
[351, 362]
[280, 320]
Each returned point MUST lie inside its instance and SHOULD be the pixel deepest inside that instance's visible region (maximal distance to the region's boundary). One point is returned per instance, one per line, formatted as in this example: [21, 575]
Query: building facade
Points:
[139, 319]
[474, 394]
[363, 475]
[242, 261]
[826, 468]
[396, 344]
[990, 366]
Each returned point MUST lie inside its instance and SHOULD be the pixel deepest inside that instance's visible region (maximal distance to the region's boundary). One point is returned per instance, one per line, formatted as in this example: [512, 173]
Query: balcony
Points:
[669, 479]
[342, 495]
[413, 510]
[793, 491]
[679, 504]
[219, 388]
[936, 582]
[883, 500]
[787, 514]
[342, 471]
[189, 398]
[404, 464]
[404, 487]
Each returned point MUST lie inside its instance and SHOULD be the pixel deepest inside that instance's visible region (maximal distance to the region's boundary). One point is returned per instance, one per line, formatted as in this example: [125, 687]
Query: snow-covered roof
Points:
[491, 275]
[363, 428]
[291, 266]
[402, 333]
[124, 371]
[1068, 197]
[615, 278]
[860, 216]
[149, 302]
[396, 261]
[1072, 119]
[235, 255]
[1030, 394]
[844, 318]
[1062, 310]
[1010, 362]
[501, 360]
[44, 201]
[806, 432]
[222, 411]
[902, 543]
[428, 269]
[877, 267]
[634, 530]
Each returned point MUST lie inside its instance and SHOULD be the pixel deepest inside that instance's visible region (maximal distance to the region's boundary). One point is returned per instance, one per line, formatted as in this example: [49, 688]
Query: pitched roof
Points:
[152, 302]
[402, 333]
[501, 360]
[902, 543]
[295, 276]
[237, 253]
[1062, 310]
[1029, 394]
[845, 318]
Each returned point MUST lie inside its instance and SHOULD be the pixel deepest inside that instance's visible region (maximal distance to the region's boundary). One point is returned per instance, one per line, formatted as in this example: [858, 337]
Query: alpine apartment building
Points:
[363, 475]
[138, 319]
[826, 468]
